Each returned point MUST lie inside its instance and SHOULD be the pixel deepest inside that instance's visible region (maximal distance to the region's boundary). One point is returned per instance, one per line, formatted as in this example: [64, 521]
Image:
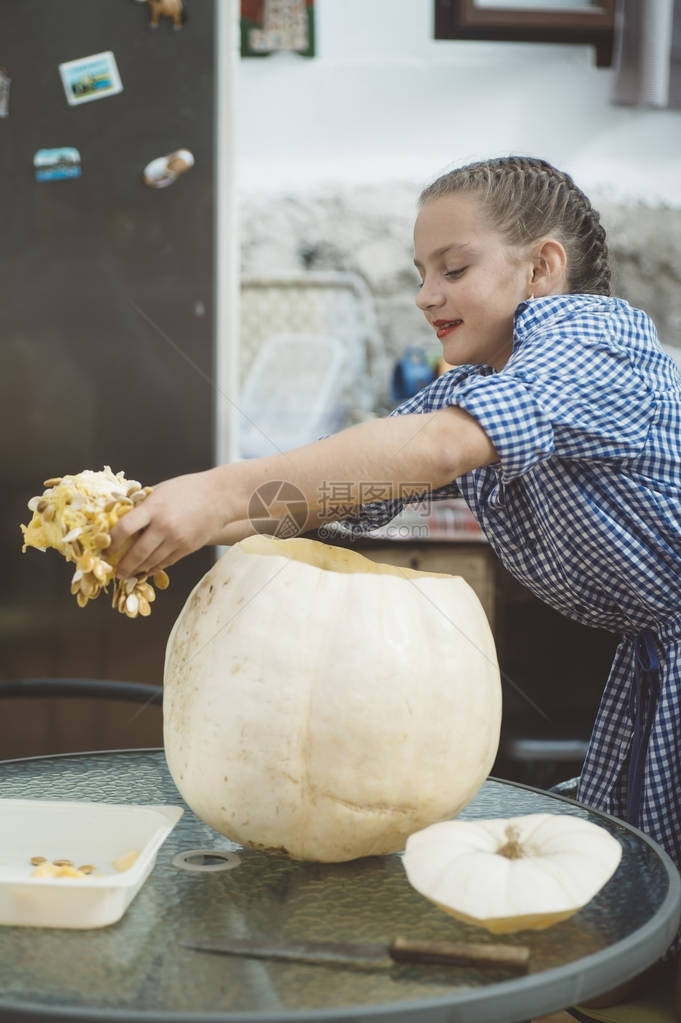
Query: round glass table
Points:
[140, 971]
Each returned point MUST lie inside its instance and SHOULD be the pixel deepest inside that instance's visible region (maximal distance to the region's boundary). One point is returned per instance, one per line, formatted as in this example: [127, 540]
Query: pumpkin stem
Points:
[511, 849]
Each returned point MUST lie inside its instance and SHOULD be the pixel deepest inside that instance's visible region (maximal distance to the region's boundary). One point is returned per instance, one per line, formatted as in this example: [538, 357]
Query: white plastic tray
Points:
[85, 833]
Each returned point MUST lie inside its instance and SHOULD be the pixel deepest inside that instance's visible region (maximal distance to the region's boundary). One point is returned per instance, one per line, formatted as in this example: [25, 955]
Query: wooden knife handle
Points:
[414, 950]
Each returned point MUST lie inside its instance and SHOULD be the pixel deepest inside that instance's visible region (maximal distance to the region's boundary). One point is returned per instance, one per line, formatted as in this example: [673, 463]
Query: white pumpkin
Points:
[325, 706]
[514, 873]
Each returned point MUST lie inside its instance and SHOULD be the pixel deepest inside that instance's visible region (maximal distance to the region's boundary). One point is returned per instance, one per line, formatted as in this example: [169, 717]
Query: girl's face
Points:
[472, 280]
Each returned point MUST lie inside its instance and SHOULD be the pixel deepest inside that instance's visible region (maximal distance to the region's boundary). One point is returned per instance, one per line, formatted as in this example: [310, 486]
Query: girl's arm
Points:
[418, 452]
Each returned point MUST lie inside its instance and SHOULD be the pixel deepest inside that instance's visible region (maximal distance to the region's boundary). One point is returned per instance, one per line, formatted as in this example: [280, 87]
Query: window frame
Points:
[463, 19]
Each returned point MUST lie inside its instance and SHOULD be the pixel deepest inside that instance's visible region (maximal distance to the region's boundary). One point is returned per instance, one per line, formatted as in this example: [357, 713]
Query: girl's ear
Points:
[549, 269]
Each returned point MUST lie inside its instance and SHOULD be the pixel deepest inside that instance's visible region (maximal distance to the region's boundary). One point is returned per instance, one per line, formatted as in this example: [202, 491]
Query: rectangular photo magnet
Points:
[90, 78]
[53, 164]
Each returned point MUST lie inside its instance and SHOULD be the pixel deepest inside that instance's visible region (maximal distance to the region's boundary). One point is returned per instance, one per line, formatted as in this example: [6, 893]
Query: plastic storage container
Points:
[295, 392]
[95, 834]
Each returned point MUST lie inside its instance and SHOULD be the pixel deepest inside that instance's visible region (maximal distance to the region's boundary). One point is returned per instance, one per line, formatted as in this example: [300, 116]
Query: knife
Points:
[372, 955]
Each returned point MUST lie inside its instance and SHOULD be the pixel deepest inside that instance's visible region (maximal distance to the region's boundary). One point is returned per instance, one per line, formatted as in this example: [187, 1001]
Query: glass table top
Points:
[139, 970]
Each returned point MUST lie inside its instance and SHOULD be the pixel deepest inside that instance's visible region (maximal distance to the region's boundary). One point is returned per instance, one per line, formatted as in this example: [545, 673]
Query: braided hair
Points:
[527, 199]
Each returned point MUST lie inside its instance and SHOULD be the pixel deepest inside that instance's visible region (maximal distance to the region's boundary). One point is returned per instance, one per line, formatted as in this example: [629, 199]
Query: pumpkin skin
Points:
[324, 706]
[512, 874]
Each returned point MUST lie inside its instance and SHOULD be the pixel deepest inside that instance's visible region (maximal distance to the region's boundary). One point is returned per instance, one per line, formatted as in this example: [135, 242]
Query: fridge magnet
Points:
[90, 78]
[4, 92]
[171, 9]
[52, 164]
[164, 170]
[270, 26]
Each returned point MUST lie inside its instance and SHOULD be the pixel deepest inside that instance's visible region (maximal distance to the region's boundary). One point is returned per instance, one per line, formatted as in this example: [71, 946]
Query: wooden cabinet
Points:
[553, 670]
[475, 562]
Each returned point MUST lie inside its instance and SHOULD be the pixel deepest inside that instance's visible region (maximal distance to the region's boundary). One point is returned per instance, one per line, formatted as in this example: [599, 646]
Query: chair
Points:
[67, 715]
[652, 1010]
[654, 1003]
[137, 692]
[322, 303]
[567, 788]
[539, 756]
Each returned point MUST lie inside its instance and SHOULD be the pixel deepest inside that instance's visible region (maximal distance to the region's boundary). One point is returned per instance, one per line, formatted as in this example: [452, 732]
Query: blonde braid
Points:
[527, 199]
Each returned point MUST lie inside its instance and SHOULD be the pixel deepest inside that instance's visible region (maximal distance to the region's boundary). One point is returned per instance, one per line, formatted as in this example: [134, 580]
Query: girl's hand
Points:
[213, 507]
[180, 516]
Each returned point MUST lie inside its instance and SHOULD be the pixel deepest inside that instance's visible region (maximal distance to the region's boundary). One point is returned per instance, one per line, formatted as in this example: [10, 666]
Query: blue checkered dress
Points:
[584, 509]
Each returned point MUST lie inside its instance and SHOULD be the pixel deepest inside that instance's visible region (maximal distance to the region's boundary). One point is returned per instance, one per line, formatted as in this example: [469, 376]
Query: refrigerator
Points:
[108, 298]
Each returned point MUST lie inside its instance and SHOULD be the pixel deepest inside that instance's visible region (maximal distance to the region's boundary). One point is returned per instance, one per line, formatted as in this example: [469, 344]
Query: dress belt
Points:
[643, 696]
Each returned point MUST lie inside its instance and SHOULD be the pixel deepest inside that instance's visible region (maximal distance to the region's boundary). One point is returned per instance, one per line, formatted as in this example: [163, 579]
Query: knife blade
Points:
[374, 955]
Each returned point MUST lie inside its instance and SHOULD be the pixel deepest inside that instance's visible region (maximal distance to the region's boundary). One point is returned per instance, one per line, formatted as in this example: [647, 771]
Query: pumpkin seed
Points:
[161, 580]
[93, 506]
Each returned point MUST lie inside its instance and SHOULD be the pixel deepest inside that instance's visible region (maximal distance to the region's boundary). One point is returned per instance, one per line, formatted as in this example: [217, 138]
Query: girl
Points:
[560, 424]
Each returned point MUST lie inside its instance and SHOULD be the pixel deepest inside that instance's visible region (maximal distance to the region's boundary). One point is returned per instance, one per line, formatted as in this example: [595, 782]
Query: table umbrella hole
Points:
[204, 860]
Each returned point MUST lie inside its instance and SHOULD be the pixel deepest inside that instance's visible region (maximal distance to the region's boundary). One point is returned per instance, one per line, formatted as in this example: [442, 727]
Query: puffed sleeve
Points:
[571, 391]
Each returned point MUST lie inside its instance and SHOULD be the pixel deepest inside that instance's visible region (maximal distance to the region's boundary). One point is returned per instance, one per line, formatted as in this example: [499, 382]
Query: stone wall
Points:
[368, 230]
